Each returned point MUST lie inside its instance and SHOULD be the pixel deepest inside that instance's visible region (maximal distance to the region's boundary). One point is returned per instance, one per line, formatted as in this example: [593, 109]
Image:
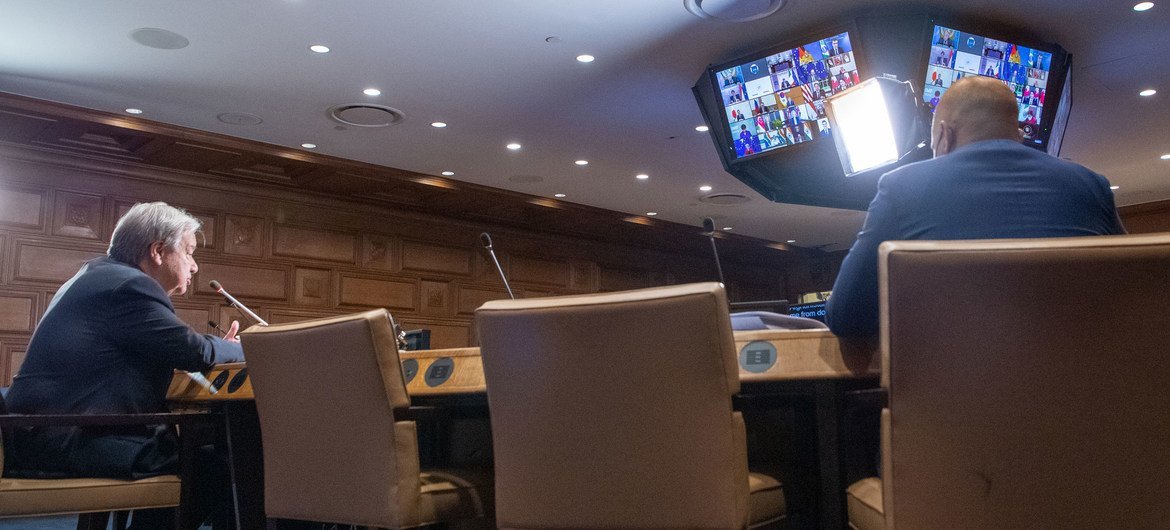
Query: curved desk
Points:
[764, 356]
[810, 370]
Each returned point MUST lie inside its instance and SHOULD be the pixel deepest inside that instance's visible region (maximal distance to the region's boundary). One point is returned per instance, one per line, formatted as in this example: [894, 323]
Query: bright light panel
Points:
[863, 127]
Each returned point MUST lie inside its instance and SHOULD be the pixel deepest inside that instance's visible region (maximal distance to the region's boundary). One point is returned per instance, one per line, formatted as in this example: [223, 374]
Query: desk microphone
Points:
[709, 231]
[236, 303]
[486, 240]
[215, 325]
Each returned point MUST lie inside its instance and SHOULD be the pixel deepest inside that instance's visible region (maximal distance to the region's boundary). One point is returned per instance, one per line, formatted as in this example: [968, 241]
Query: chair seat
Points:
[450, 494]
[19, 497]
[766, 499]
[864, 501]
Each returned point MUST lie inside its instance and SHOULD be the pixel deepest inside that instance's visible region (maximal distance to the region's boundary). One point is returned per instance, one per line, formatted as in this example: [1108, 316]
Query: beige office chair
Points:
[331, 400]
[94, 499]
[1028, 382]
[614, 411]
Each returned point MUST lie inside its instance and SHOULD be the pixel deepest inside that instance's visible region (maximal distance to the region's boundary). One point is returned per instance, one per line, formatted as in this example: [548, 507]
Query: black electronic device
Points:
[766, 115]
[1037, 72]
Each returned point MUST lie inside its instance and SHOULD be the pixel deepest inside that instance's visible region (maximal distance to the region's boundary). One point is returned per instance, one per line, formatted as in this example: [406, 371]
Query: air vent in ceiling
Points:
[733, 10]
[366, 115]
[159, 38]
[725, 199]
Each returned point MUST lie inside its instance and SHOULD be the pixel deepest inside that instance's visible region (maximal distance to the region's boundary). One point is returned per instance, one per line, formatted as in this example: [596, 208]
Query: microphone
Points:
[709, 231]
[236, 303]
[486, 240]
[215, 325]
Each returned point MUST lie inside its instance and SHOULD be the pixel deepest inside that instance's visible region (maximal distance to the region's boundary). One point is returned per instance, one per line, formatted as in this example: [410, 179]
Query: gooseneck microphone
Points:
[486, 240]
[709, 230]
[236, 303]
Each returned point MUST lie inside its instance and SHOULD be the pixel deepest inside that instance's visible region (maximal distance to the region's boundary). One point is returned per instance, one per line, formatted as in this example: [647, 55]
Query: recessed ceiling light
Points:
[1147, 92]
[641, 176]
[319, 48]
[513, 146]
[585, 58]
[704, 188]
[438, 124]
[1143, 6]
[582, 162]
[559, 195]
[1114, 187]
[702, 128]
[448, 173]
[134, 111]
[309, 146]
[727, 229]
[791, 240]
[1166, 156]
[372, 92]
[651, 214]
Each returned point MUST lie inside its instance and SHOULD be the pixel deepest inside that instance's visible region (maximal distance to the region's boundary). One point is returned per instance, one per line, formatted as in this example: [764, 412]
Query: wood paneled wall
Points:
[1146, 218]
[293, 254]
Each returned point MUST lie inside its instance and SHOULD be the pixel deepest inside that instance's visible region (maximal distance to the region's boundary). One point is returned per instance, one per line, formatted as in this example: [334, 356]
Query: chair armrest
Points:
[86, 420]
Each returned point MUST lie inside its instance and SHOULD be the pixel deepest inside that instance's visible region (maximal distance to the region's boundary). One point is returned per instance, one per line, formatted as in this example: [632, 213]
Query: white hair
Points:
[145, 224]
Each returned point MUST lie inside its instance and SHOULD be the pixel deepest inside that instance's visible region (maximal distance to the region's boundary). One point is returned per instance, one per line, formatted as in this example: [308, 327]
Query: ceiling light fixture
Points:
[513, 146]
[1166, 156]
[309, 146]
[791, 240]
[727, 229]
[438, 124]
[585, 58]
[1147, 92]
[1114, 187]
[559, 195]
[319, 48]
[702, 128]
[448, 173]
[704, 188]
[1143, 6]
[651, 214]
[641, 176]
[582, 162]
[372, 92]
[133, 111]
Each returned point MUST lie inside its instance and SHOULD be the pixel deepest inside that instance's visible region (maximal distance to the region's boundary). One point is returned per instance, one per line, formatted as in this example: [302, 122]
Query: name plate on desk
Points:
[780, 355]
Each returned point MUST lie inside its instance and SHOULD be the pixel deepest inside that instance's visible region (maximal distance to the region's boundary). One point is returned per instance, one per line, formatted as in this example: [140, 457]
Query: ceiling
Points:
[505, 71]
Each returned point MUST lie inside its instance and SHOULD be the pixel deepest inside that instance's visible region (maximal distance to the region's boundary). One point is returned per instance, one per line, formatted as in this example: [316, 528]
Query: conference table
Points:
[811, 371]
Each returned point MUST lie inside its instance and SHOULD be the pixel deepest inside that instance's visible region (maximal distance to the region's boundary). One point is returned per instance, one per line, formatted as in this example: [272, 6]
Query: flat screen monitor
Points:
[1035, 72]
[813, 310]
[774, 100]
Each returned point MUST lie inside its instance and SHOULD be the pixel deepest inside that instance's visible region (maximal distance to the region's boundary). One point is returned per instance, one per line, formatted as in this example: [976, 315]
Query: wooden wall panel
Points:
[77, 215]
[242, 281]
[245, 236]
[197, 317]
[1146, 218]
[471, 298]
[313, 287]
[18, 311]
[296, 242]
[423, 257]
[541, 271]
[22, 208]
[622, 279]
[435, 298]
[285, 316]
[372, 292]
[379, 252]
[12, 353]
[443, 335]
[41, 262]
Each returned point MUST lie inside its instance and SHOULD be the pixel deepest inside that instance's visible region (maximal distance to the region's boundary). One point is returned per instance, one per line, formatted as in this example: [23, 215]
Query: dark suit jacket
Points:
[108, 344]
[986, 190]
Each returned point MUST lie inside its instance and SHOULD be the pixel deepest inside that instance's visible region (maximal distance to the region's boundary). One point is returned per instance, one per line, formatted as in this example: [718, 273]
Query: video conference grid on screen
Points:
[779, 100]
[954, 54]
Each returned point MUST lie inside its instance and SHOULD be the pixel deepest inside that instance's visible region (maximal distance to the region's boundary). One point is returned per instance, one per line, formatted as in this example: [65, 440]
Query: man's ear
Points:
[156, 250]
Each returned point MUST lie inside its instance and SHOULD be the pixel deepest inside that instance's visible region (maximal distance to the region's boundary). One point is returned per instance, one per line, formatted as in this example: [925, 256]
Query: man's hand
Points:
[231, 332]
